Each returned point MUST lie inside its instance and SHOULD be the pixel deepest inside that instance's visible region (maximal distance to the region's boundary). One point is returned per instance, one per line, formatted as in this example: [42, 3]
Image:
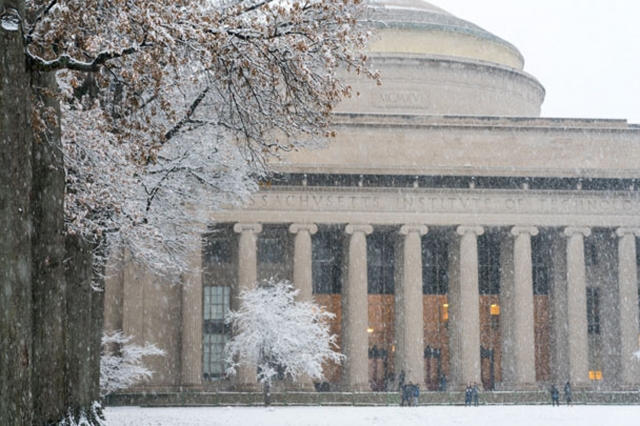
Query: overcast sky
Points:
[586, 53]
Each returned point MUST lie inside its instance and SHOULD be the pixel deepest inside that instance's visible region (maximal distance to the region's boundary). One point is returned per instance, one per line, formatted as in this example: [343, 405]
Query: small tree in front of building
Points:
[278, 335]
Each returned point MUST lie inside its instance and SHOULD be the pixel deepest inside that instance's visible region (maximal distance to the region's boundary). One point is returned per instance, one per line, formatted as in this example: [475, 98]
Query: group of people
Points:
[555, 395]
[409, 392]
[471, 395]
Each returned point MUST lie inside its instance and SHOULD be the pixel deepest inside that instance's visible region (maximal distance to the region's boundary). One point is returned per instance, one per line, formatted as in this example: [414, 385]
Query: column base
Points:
[505, 386]
[301, 386]
[246, 387]
[355, 388]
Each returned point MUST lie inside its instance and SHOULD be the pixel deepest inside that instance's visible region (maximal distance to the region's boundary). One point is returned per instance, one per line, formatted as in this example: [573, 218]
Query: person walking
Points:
[568, 394]
[404, 394]
[401, 381]
[442, 383]
[416, 394]
[467, 396]
[474, 393]
[555, 396]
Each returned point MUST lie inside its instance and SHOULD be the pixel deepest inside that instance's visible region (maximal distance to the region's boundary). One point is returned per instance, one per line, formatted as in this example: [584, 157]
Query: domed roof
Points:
[418, 27]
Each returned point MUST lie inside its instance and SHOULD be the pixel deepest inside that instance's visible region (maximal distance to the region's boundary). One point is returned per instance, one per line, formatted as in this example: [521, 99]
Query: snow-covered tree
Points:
[122, 363]
[277, 334]
[117, 118]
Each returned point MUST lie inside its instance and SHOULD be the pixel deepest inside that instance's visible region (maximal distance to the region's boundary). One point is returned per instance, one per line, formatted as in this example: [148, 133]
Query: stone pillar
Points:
[302, 261]
[465, 318]
[518, 362]
[408, 307]
[355, 314]
[578, 346]
[303, 279]
[192, 320]
[628, 307]
[245, 379]
[558, 315]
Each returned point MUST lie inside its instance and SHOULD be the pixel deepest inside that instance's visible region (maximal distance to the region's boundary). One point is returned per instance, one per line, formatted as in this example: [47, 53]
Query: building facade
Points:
[453, 231]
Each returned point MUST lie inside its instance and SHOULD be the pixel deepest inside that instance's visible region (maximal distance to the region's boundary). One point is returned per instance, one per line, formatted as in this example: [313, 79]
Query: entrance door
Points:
[433, 368]
[487, 368]
[379, 376]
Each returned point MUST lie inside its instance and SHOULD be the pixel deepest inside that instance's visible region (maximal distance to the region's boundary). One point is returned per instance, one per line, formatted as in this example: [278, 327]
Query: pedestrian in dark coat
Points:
[401, 380]
[474, 393]
[555, 396]
[404, 394]
[467, 396]
[568, 395]
[416, 394]
[442, 383]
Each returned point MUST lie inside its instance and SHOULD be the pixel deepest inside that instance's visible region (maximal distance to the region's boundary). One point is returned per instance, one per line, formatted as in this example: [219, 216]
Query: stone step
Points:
[356, 398]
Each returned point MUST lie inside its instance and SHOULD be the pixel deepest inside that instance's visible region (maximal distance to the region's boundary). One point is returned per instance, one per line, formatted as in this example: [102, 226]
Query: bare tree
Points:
[115, 113]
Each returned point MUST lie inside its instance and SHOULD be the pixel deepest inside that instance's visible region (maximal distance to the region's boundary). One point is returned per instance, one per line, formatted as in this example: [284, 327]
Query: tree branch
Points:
[37, 63]
[192, 109]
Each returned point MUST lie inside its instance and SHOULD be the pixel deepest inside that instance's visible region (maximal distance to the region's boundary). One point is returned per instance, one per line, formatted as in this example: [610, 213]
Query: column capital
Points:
[358, 227]
[312, 228]
[255, 228]
[406, 229]
[463, 229]
[621, 232]
[570, 231]
[531, 230]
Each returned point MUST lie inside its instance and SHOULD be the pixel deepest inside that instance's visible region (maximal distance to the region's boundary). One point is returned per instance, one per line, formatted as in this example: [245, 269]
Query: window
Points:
[380, 263]
[435, 266]
[590, 253]
[489, 264]
[541, 258]
[215, 332]
[593, 310]
[326, 262]
[271, 250]
[217, 250]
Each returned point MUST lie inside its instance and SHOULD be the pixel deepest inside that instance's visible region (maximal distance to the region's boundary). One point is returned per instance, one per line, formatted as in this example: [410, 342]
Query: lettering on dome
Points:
[402, 98]
[454, 203]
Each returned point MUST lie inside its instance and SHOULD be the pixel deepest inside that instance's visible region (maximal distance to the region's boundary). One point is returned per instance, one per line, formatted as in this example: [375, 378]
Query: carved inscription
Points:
[444, 203]
[402, 98]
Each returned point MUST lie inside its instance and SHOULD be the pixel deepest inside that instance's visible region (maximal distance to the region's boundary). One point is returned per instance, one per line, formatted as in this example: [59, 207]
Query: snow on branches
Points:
[274, 331]
[121, 363]
[170, 105]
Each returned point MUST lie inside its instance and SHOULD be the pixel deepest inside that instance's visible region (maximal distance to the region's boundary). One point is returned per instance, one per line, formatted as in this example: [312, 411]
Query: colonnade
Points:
[518, 366]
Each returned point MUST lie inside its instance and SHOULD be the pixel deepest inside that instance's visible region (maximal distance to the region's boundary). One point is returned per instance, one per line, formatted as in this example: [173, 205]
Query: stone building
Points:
[451, 229]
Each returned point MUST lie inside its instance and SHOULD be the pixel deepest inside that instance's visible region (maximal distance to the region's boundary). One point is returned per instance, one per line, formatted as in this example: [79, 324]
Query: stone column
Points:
[245, 379]
[465, 319]
[408, 307]
[302, 261]
[355, 314]
[578, 346]
[303, 279]
[519, 363]
[628, 306]
[192, 319]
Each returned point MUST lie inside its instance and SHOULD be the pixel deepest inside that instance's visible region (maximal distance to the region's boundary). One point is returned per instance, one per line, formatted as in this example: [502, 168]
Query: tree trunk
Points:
[267, 393]
[83, 332]
[15, 245]
[49, 309]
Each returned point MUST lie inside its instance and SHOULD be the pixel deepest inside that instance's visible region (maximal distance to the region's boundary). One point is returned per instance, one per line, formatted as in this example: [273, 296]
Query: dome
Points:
[415, 26]
[432, 62]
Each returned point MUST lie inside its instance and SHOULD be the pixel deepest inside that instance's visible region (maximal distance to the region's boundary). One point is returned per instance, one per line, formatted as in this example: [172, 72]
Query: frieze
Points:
[454, 203]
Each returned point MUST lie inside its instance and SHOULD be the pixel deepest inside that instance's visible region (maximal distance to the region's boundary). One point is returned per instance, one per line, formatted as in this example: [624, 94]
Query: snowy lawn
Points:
[596, 415]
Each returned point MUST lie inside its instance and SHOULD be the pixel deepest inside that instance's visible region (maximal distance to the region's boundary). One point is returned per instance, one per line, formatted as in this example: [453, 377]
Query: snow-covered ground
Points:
[371, 416]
